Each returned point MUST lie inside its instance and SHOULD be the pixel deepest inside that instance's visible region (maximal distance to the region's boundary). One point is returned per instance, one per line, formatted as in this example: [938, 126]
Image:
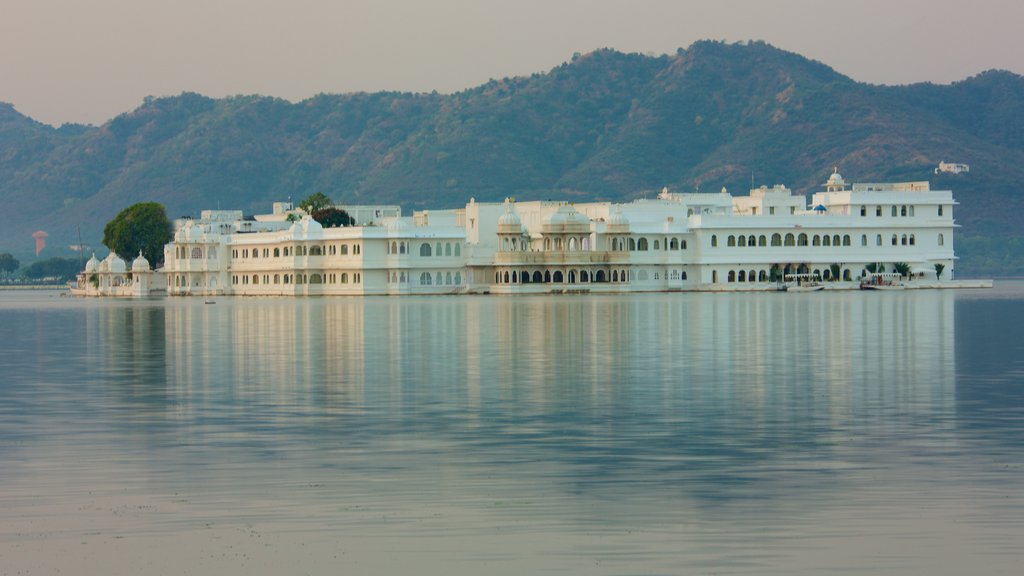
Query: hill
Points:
[605, 125]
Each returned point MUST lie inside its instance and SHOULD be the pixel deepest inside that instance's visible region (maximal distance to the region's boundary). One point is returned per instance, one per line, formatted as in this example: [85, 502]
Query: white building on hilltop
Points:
[675, 242]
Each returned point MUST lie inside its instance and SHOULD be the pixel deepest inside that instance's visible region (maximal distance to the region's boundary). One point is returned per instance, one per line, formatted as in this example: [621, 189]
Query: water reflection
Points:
[706, 422]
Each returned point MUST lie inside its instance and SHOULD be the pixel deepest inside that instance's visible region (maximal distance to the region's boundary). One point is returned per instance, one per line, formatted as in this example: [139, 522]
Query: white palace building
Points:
[674, 242]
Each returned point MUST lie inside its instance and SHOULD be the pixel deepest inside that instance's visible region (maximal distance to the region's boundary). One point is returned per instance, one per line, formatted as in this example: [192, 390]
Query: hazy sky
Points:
[89, 60]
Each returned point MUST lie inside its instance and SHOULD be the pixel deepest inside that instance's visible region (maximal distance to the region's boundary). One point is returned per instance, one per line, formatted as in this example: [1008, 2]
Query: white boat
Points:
[803, 283]
[882, 281]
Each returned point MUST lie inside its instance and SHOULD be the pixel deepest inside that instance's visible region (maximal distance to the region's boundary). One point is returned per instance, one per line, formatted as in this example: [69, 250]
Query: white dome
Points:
[835, 179]
[509, 218]
[140, 264]
[310, 226]
[617, 218]
[113, 264]
[566, 215]
[92, 264]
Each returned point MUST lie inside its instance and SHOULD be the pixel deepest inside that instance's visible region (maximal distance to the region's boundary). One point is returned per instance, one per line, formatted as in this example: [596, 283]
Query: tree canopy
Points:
[141, 227]
[333, 218]
[8, 263]
[315, 203]
[58, 268]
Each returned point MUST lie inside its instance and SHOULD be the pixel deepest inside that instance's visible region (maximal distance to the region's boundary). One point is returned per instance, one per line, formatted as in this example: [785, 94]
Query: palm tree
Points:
[939, 267]
[902, 268]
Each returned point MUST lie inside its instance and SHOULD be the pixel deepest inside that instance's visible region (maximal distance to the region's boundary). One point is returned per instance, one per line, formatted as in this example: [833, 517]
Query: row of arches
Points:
[432, 279]
[297, 250]
[777, 239]
[297, 278]
[439, 249]
[894, 210]
[642, 244]
[579, 276]
[195, 253]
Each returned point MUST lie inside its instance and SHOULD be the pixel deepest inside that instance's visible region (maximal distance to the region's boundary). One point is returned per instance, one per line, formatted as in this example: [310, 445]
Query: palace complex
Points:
[674, 242]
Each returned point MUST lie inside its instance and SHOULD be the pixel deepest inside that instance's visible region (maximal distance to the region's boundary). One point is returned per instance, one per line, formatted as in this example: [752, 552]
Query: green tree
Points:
[315, 202]
[61, 269]
[902, 268]
[8, 264]
[141, 227]
[939, 267]
[835, 271]
[333, 218]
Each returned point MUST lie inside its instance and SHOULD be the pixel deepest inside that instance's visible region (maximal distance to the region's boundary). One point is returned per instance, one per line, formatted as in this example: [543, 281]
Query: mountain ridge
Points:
[605, 125]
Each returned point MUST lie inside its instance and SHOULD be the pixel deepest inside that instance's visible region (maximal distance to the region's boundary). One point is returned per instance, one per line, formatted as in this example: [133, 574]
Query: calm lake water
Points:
[814, 433]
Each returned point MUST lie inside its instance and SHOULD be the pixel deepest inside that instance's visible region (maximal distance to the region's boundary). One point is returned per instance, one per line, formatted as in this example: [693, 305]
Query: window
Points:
[863, 239]
[742, 241]
[878, 210]
[425, 279]
[641, 245]
[277, 252]
[942, 240]
[731, 242]
[816, 241]
[846, 240]
[674, 244]
[826, 240]
[903, 240]
[771, 210]
[863, 210]
[801, 240]
[911, 239]
[197, 253]
[878, 240]
[657, 245]
[714, 241]
[894, 239]
[790, 240]
[424, 250]
[940, 209]
[447, 248]
[893, 211]
[776, 239]
[762, 241]
[458, 251]
[344, 250]
[835, 240]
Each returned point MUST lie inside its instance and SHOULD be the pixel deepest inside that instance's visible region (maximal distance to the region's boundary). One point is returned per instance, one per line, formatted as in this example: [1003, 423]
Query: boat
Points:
[803, 283]
[883, 281]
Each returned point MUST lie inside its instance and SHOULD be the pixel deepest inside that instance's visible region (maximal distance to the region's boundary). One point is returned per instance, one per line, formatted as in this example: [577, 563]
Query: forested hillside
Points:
[605, 125]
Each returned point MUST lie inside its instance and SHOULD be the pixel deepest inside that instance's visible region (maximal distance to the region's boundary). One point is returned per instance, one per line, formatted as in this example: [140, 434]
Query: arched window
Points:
[750, 276]
[826, 240]
[425, 279]
[447, 248]
[344, 277]
[632, 245]
[752, 241]
[878, 240]
[197, 253]
[894, 239]
[437, 278]
[762, 276]
[762, 241]
[674, 244]
[911, 239]
[505, 279]
[458, 251]
[316, 279]
[615, 275]
[255, 279]
[801, 240]
[863, 210]
[394, 248]
[424, 249]
[742, 276]
[547, 276]
[741, 241]
[401, 248]
[315, 251]
[731, 241]
[714, 241]
[893, 211]
[910, 210]
[903, 240]
[437, 251]
[816, 240]
[790, 240]
[731, 277]
[776, 239]
[940, 209]
[458, 275]
[846, 239]
[277, 278]
[344, 250]
[572, 244]
[537, 277]
[641, 245]
[835, 240]
[878, 210]
[903, 210]
[277, 252]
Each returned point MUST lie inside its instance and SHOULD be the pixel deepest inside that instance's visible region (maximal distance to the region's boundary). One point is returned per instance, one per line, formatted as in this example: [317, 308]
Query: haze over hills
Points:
[606, 125]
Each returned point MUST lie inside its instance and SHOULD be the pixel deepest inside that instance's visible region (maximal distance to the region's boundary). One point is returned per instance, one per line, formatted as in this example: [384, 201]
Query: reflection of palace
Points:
[673, 242]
